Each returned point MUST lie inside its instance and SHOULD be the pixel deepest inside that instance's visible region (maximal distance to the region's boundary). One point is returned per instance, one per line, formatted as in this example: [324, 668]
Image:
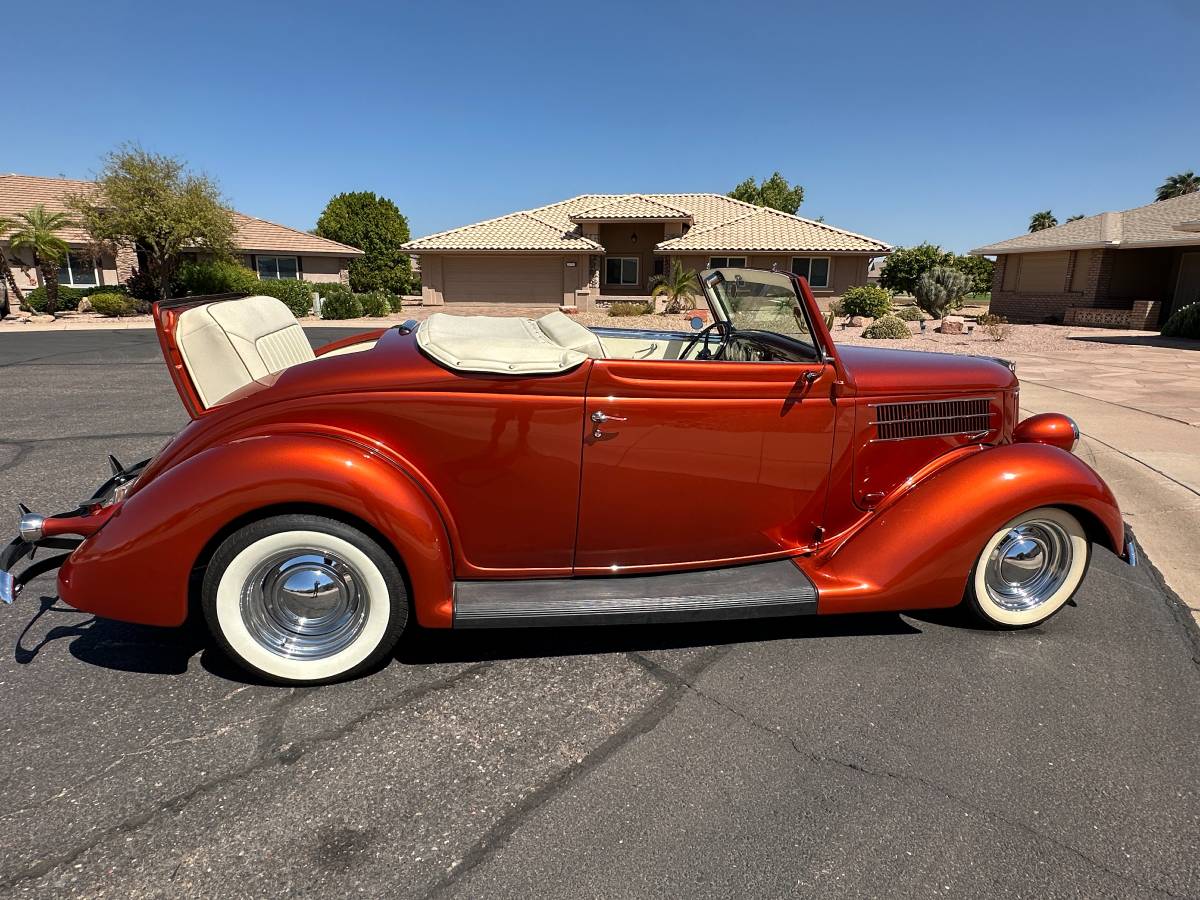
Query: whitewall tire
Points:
[302, 599]
[1029, 568]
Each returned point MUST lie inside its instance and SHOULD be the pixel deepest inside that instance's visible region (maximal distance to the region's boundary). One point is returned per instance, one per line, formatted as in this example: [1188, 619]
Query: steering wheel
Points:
[703, 336]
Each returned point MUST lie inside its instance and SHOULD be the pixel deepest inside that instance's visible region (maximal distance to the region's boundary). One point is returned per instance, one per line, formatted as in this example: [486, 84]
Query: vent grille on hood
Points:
[934, 418]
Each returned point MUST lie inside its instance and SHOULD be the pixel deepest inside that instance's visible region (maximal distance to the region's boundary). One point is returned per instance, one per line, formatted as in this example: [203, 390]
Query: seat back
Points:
[569, 334]
[230, 343]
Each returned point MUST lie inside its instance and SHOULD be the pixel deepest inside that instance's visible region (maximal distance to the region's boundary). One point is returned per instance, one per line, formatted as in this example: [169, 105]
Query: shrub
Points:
[909, 314]
[338, 303]
[942, 290]
[374, 303]
[216, 277]
[995, 327]
[69, 297]
[111, 303]
[887, 328]
[905, 265]
[1184, 322]
[867, 300]
[628, 308]
[296, 295]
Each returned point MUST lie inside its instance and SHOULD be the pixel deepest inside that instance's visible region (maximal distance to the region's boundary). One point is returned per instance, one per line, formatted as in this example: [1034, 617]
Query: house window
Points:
[78, 271]
[272, 267]
[621, 270]
[727, 262]
[814, 268]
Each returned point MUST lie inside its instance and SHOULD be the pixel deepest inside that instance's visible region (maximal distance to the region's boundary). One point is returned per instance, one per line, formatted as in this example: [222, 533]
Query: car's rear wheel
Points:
[303, 599]
[1029, 569]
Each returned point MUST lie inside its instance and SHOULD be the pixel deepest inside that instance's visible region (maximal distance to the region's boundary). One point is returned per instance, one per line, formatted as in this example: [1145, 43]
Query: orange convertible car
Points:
[477, 472]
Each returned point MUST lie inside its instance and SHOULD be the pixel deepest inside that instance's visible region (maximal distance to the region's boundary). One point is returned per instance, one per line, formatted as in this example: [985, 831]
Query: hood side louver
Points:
[934, 418]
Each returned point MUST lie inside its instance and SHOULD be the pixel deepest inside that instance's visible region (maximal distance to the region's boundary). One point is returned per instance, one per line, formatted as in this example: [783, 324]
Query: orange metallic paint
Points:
[137, 567]
[916, 550]
[1054, 429]
[716, 462]
[470, 475]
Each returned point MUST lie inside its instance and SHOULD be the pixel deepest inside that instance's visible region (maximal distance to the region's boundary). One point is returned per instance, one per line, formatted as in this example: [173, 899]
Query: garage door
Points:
[527, 280]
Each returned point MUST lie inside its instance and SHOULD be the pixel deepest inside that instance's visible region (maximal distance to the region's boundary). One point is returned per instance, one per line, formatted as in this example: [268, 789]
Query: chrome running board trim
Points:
[776, 588]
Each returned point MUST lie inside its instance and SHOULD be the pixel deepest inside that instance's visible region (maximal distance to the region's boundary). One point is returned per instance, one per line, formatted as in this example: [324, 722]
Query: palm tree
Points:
[6, 272]
[1040, 221]
[36, 231]
[679, 288]
[1178, 185]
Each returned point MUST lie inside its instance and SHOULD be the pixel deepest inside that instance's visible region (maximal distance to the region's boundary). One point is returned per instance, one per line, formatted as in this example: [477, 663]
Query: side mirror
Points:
[697, 323]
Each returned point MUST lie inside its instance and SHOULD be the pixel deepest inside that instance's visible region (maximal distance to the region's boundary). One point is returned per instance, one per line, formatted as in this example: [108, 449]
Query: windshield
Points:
[756, 300]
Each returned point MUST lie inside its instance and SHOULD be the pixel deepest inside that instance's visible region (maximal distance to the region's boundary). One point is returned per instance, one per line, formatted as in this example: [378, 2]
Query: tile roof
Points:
[1158, 224]
[759, 228]
[762, 229]
[20, 193]
[631, 206]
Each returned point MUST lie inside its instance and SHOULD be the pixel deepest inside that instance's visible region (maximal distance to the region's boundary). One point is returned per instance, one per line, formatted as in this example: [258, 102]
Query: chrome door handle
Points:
[600, 418]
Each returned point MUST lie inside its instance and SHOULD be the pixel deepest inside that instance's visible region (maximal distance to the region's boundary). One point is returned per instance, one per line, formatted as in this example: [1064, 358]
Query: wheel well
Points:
[1093, 528]
[196, 577]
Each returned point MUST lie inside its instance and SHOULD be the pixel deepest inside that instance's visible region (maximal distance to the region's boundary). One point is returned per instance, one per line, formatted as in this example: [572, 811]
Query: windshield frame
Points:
[821, 343]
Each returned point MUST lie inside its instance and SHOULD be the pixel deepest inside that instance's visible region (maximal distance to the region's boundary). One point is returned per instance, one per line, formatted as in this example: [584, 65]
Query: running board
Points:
[743, 592]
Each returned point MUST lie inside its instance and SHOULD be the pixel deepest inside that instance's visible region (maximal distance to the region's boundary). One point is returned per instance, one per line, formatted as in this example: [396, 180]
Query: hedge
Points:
[1184, 322]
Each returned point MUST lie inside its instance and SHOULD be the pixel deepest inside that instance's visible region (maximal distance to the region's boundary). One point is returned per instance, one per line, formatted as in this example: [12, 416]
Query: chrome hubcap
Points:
[1029, 565]
[305, 604]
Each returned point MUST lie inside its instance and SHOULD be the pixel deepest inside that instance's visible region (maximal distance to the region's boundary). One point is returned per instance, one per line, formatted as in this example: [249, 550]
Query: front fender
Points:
[917, 551]
[137, 567]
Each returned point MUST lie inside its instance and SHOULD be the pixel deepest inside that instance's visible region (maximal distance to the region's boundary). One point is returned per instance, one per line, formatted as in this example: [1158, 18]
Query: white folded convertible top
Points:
[508, 346]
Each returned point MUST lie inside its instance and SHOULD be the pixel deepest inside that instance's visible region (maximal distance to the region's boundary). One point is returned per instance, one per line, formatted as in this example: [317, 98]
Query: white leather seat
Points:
[507, 345]
[230, 343]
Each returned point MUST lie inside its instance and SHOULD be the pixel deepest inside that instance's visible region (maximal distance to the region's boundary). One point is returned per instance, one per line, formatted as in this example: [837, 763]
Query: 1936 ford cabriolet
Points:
[477, 472]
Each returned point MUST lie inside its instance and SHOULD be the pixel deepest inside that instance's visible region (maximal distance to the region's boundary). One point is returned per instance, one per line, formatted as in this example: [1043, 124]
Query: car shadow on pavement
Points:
[422, 646]
[107, 643]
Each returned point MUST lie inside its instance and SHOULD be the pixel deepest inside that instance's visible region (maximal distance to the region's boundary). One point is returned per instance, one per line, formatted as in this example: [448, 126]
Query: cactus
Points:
[942, 290]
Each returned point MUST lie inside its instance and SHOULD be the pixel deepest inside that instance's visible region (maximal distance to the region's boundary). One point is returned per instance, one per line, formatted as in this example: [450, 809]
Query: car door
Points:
[702, 463]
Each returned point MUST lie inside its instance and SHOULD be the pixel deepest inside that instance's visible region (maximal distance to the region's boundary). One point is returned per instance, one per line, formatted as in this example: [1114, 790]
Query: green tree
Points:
[1041, 221]
[1178, 185]
[153, 202]
[906, 264]
[375, 226]
[37, 232]
[774, 192]
[6, 272]
[942, 290]
[978, 268]
[679, 288]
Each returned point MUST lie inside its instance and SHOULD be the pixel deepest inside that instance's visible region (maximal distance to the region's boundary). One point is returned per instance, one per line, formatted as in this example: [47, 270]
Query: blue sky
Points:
[948, 122]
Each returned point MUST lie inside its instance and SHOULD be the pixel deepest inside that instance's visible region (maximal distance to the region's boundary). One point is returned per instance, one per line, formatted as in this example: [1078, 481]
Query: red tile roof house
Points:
[604, 246]
[1126, 269]
[274, 251]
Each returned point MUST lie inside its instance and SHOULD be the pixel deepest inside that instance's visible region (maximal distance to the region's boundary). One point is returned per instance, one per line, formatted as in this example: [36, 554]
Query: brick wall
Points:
[1092, 290]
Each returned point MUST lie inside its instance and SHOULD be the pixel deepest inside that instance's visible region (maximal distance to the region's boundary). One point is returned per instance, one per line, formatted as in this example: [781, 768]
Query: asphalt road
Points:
[861, 756]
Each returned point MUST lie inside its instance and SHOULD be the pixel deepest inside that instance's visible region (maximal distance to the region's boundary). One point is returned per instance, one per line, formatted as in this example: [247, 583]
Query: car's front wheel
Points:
[1029, 568]
[303, 599]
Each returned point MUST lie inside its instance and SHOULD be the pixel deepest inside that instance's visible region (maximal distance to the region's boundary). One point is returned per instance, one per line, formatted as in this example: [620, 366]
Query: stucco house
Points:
[274, 251]
[594, 246]
[1120, 269]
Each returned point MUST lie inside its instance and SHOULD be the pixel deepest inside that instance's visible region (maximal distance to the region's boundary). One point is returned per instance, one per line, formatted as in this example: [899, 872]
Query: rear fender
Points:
[137, 567]
[917, 551]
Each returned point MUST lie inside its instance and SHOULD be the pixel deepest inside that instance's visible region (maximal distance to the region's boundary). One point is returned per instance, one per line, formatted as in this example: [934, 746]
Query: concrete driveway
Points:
[844, 757]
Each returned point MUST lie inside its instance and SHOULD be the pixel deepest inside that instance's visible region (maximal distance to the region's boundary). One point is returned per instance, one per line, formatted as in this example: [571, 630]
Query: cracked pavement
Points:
[878, 755]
